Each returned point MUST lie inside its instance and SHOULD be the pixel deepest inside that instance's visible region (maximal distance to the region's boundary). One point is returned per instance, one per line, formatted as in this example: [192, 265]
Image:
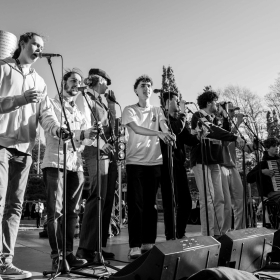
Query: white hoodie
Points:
[18, 120]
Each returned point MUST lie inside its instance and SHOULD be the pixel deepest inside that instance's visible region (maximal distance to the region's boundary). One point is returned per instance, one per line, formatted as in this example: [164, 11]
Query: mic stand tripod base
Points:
[64, 269]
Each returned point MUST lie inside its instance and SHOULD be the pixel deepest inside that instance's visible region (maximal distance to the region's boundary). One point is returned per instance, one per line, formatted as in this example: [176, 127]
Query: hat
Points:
[231, 107]
[100, 72]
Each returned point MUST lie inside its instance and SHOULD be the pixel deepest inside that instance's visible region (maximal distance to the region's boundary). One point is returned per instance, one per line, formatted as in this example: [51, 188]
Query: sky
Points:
[206, 42]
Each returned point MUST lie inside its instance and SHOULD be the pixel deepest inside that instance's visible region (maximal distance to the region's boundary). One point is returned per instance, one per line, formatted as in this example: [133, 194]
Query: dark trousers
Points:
[182, 197]
[38, 219]
[142, 185]
[109, 200]
[90, 232]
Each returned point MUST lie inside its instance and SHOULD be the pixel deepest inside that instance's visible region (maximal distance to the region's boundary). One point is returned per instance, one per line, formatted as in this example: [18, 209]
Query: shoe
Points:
[55, 262]
[134, 253]
[85, 254]
[9, 271]
[108, 255]
[146, 247]
[75, 261]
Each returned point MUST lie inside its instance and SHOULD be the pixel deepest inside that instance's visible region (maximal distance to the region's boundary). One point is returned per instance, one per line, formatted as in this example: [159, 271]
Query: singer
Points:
[53, 170]
[231, 180]
[143, 161]
[213, 156]
[99, 81]
[183, 199]
[23, 102]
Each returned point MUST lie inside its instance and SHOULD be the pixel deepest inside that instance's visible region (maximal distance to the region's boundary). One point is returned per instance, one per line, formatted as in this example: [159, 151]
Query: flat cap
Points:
[100, 72]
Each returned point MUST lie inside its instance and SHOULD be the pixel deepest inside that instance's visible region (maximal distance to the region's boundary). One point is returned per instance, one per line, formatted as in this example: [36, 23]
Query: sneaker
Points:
[134, 253]
[9, 271]
[146, 247]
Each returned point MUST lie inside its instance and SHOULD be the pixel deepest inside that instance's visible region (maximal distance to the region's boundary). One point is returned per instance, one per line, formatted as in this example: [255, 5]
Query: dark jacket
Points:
[266, 185]
[213, 151]
[183, 137]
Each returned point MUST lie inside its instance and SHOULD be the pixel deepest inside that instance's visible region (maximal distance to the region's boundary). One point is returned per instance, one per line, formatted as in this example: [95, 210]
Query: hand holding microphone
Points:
[110, 97]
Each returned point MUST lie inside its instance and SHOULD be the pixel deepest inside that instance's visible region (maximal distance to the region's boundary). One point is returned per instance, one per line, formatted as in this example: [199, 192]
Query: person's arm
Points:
[166, 137]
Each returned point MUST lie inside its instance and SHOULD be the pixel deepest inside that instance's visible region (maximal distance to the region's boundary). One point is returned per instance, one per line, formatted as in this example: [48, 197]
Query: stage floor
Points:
[33, 253]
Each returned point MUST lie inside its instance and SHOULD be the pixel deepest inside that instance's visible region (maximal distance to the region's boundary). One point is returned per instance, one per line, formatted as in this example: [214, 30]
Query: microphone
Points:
[157, 90]
[47, 55]
[107, 95]
[82, 88]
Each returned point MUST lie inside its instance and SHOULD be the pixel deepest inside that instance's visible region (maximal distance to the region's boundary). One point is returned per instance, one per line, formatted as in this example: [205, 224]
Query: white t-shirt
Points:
[143, 150]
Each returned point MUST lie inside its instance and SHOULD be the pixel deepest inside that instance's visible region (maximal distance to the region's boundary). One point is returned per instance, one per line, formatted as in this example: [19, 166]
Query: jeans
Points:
[53, 179]
[14, 170]
[90, 230]
[231, 180]
[142, 185]
[215, 198]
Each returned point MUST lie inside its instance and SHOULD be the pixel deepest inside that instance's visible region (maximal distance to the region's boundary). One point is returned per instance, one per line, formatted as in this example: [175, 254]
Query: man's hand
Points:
[112, 94]
[90, 133]
[167, 138]
[63, 133]
[268, 172]
[240, 143]
[107, 148]
[33, 95]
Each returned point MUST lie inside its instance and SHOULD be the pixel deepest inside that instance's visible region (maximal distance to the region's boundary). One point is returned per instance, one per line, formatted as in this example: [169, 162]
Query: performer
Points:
[231, 180]
[53, 171]
[89, 232]
[23, 102]
[181, 188]
[272, 153]
[143, 161]
[212, 158]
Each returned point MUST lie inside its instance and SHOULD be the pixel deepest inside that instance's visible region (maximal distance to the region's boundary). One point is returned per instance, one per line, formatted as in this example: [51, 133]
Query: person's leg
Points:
[210, 198]
[89, 231]
[166, 194]
[219, 201]
[5, 156]
[18, 175]
[237, 193]
[149, 182]
[225, 176]
[183, 199]
[53, 179]
[109, 200]
[135, 202]
[74, 190]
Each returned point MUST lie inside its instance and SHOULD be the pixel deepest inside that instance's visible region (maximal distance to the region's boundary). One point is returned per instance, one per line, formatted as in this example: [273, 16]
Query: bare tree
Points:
[250, 104]
[273, 97]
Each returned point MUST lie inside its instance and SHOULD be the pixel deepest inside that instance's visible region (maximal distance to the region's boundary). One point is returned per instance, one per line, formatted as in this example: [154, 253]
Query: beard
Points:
[71, 91]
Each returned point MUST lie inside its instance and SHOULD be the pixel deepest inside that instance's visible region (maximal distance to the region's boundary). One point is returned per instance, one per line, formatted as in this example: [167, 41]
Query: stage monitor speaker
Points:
[245, 249]
[173, 260]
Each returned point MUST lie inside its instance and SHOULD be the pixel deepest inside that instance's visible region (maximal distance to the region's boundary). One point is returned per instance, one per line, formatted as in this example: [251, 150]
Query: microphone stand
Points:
[98, 258]
[260, 170]
[203, 167]
[63, 264]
